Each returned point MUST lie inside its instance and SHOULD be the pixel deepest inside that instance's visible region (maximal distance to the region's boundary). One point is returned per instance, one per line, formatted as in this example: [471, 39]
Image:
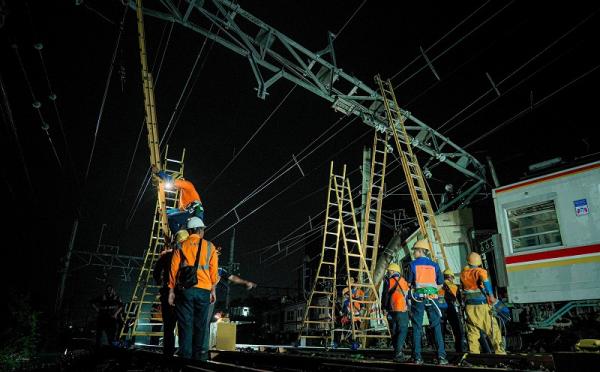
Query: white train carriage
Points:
[550, 232]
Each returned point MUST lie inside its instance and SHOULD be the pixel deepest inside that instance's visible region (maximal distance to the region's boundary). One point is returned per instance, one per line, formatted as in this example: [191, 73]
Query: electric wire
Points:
[530, 108]
[453, 45]
[10, 119]
[37, 106]
[301, 76]
[172, 122]
[260, 127]
[440, 39]
[105, 95]
[571, 30]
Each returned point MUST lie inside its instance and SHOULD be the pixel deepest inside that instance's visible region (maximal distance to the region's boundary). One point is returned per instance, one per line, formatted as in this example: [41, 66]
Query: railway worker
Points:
[453, 298]
[161, 273]
[394, 302]
[233, 279]
[194, 270]
[190, 204]
[425, 279]
[479, 297]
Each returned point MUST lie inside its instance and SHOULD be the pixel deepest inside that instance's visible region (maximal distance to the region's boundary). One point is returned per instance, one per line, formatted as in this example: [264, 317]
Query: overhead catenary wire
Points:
[518, 69]
[106, 86]
[37, 106]
[530, 107]
[155, 72]
[348, 21]
[454, 44]
[173, 120]
[419, 56]
[260, 127]
[7, 111]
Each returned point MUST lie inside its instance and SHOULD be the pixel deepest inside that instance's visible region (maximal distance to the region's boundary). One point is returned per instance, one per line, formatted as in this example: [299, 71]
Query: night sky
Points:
[222, 112]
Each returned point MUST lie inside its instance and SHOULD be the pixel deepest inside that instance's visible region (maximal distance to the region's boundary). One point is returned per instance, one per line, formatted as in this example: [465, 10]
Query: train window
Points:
[534, 226]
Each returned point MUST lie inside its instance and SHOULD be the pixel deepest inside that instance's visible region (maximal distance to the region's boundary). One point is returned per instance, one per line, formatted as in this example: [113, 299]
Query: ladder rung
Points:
[318, 321]
[325, 277]
[328, 263]
[353, 255]
[319, 307]
[322, 292]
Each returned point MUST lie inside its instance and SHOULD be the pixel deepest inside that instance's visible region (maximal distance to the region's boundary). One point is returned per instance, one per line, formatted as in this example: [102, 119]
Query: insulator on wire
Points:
[45, 126]
[38, 46]
[52, 97]
[36, 104]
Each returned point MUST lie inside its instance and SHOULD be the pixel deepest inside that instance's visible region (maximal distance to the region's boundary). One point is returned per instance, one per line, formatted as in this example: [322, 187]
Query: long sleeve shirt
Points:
[187, 193]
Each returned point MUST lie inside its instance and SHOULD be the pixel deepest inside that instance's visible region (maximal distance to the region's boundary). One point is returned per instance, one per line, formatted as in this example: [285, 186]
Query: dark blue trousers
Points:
[417, 309]
[191, 307]
[398, 330]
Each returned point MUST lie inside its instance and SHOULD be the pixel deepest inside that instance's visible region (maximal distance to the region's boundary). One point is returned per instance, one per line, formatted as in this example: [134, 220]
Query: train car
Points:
[549, 229]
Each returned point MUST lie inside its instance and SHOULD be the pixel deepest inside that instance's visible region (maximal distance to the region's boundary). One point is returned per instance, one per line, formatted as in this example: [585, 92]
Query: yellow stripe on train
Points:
[572, 261]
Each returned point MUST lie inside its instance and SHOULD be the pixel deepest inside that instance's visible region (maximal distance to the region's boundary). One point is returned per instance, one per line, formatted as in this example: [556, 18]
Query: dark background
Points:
[222, 112]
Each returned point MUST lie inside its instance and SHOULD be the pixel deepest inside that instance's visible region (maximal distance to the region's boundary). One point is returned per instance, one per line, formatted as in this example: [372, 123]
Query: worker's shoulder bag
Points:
[186, 275]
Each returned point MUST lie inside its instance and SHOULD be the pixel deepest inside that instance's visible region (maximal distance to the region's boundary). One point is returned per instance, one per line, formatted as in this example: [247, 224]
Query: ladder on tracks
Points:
[319, 321]
[372, 222]
[139, 312]
[412, 171]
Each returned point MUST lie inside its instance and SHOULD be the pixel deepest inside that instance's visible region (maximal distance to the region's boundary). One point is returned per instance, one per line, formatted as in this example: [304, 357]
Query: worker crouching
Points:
[394, 301]
[478, 293]
[425, 278]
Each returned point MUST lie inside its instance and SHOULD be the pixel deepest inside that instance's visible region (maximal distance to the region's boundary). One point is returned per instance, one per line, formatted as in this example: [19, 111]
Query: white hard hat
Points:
[195, 222]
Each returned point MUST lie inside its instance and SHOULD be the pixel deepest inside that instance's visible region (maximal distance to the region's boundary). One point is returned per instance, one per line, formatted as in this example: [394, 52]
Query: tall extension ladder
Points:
[139, 311]
[372, 222]
[412, 171]
[340, 224]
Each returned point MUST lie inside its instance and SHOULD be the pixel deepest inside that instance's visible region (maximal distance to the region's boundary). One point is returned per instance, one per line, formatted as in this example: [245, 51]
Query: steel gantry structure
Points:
[273, 56]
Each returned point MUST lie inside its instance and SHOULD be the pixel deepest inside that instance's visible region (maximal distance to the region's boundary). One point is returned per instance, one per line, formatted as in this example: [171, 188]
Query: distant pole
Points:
[230, 264]
[63, 281]
[493, 172]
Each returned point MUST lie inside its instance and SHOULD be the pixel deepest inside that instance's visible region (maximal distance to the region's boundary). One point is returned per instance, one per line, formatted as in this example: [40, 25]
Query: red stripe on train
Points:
[552, 176]
[557, 253]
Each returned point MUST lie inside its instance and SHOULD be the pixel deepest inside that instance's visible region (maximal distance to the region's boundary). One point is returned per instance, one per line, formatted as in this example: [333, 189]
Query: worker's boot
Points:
[401, 358]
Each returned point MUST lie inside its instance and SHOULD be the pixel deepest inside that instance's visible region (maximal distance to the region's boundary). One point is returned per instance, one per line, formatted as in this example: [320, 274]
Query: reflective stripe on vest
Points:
[208, 252]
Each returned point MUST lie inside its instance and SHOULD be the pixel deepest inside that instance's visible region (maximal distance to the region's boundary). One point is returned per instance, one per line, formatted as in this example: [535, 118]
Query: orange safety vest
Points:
[398, 297]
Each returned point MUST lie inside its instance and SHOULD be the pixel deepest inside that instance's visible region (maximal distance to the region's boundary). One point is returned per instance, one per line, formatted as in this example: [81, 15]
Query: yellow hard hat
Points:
[448, 272]
[394, 267]
[181, 236]
[474, 259]
[422, 244]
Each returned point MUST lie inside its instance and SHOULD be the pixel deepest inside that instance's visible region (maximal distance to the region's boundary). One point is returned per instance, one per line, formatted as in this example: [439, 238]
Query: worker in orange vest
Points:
[453, 298]
[194, 272]
[190, 204]
[394, 302]
[479, 298]
[425, 279]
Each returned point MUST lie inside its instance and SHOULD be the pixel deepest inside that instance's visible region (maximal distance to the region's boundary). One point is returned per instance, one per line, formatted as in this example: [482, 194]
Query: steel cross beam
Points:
[108, 257]
[273, 56]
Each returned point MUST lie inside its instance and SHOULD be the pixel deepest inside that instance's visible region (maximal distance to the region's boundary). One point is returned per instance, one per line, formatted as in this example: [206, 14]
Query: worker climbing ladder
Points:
[412, 171]
[319, 320]
[372, 222]
[141, 313]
